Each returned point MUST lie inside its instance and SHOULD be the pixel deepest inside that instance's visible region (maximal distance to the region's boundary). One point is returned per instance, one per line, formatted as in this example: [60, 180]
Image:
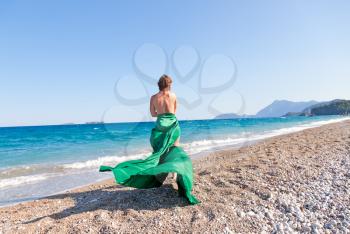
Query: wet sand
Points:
[298, 182]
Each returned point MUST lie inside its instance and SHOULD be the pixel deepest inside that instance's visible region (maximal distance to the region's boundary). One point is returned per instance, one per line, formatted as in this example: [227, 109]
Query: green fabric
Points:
[166, 158]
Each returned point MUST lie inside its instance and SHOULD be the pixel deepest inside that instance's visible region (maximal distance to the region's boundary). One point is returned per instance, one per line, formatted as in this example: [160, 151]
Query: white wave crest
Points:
[11, 182]
[102, 160]
[203, 145]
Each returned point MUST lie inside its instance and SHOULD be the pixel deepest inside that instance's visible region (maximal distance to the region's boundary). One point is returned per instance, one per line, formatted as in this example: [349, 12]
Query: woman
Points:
[167, 156]
[164, 101]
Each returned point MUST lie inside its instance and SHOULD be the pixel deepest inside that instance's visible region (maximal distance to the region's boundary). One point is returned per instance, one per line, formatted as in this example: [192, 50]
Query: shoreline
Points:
[198, 156]
[294, 182]
[206, 153]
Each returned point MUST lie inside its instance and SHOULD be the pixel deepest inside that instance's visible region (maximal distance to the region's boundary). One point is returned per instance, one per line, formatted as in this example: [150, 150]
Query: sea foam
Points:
[12, 182]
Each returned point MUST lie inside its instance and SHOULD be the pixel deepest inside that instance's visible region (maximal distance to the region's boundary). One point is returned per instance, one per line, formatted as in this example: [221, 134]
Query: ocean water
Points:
[44, 160]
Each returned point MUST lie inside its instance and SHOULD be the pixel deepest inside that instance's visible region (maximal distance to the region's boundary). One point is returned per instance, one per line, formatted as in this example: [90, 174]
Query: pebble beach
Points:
[294, 183]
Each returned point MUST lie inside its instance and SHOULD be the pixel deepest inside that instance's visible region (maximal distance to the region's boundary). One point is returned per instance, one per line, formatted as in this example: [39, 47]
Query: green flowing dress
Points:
[166, 158]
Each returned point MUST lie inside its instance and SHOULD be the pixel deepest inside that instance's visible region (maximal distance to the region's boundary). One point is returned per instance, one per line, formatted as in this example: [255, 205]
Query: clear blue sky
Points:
[60, 60]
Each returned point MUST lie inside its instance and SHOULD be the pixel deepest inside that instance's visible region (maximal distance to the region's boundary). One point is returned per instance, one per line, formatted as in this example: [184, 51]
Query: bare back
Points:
[163, 102]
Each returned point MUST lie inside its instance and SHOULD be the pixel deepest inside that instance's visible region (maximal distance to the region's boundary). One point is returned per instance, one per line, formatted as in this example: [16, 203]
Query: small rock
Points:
[309, 205]
[265, 195]
[306, 228]
[279, 227]
[227, 230]
[327, 226]
[345, 224]
[315, 227]
[251, 213]
[241, 214]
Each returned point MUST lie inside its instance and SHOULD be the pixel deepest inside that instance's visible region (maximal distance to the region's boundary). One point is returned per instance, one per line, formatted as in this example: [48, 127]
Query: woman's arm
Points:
[152, 109]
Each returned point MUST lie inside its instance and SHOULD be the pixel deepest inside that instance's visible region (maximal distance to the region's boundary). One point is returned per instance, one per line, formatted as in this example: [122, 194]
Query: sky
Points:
[80, 61]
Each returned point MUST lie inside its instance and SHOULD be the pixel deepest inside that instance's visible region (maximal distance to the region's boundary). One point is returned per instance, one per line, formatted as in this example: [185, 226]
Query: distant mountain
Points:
[232, 116]
[320, 104]
[227, 116]
[94, 122]
[335, 107]
[288, 108]
[281, 107]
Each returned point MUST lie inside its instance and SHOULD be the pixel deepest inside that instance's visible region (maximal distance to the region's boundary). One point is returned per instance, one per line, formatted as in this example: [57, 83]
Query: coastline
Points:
[216, 146]
[242, 190]
[60, 178]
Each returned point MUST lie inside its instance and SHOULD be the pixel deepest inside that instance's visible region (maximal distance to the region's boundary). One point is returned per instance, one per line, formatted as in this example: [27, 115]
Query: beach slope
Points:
[296, 182]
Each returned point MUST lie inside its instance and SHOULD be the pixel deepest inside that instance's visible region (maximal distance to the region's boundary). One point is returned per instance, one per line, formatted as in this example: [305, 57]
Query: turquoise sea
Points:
[43, 160]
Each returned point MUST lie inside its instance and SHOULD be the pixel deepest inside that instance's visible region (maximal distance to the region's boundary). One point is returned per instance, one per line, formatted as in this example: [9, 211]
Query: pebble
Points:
[328, 226]
[345, 224]
[251, 213]
[241, 214]
[227, 230]
[315, 226]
